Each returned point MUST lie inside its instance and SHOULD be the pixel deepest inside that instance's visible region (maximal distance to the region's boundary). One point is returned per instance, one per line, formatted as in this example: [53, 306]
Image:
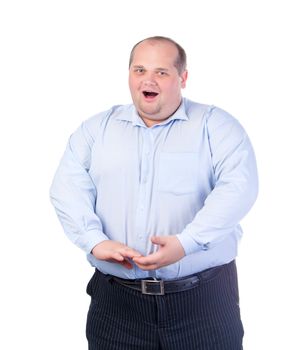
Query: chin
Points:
[152, 111]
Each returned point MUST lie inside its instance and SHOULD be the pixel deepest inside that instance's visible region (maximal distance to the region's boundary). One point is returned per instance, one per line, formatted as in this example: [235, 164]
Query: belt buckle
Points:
[154, 283]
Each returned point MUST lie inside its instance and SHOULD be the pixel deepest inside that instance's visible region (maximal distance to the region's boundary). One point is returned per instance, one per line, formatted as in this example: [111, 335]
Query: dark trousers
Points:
[206, 317]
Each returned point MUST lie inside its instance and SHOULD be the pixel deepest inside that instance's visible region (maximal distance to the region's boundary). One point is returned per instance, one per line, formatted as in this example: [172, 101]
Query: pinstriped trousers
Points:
[206, 317]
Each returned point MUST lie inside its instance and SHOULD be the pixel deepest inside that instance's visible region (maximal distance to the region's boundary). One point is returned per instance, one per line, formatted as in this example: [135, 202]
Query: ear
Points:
[183, 78]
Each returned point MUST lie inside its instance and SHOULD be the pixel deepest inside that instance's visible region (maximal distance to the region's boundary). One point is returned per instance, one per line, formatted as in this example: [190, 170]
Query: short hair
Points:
[180, 62]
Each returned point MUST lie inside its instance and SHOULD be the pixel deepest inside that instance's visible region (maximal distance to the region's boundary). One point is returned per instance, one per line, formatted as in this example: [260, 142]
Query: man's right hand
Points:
[115, 252]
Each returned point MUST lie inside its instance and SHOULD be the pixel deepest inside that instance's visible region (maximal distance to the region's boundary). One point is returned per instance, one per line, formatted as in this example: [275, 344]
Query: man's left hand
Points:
[170, 251]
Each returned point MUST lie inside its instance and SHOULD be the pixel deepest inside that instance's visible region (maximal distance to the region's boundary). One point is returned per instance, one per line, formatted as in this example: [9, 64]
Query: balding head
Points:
[180, 61]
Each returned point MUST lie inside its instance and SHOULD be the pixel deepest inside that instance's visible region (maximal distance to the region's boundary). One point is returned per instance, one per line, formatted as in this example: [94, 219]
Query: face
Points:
[155, 82]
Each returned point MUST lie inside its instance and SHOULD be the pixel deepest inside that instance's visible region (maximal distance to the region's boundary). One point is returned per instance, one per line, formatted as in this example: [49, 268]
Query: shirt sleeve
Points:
[235, 184]
[73, 193]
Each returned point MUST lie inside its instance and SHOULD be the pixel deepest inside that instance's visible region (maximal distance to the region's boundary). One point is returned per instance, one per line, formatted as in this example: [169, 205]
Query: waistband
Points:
[153, 286]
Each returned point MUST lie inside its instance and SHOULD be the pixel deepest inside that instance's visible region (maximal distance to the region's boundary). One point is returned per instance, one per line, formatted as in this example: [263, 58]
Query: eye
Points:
[139, 70]
[162, 73]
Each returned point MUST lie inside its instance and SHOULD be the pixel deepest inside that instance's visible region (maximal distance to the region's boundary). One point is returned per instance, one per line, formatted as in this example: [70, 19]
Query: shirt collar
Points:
[131, 115]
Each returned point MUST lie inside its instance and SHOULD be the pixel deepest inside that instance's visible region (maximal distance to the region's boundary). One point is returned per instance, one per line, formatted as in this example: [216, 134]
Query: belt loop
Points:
[200, 279]
[107, 278]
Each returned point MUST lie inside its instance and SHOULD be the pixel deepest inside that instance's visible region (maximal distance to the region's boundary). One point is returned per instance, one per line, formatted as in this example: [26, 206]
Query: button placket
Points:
[144, 186]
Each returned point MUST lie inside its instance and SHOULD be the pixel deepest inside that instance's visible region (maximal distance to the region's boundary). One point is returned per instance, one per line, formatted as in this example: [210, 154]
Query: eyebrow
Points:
[157, 69]
[162, 69]
[137, 66]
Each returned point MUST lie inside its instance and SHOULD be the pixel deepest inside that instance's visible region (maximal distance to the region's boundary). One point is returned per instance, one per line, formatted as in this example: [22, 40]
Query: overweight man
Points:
[153, 192]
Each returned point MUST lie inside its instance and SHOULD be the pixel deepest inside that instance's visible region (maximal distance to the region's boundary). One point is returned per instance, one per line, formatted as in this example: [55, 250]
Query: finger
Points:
[117, 256]
[160, 240]
[124, 262]
[148, 260]
[148, 267]
[130, 253]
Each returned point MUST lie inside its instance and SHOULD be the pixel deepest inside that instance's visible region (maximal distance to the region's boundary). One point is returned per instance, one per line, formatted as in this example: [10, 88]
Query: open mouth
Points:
[150, 94]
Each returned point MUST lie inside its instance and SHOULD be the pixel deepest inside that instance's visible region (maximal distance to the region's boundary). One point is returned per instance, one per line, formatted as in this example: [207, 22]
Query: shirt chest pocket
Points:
[178, 172]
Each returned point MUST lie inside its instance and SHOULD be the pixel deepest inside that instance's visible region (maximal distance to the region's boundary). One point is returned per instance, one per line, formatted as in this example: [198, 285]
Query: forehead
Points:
[152, 52]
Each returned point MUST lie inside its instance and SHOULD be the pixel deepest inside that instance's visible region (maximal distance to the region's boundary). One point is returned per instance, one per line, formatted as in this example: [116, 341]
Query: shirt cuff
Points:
[90, 239]
[188, 243]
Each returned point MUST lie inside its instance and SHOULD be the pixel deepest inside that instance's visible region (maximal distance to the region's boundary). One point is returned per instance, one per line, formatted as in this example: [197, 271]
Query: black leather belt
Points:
[160, 287]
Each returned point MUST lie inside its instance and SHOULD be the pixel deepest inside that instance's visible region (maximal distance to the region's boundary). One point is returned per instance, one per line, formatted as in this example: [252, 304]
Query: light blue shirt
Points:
[193, 175]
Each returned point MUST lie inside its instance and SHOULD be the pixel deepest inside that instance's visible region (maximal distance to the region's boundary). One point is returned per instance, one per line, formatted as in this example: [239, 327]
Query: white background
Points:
[63, 61]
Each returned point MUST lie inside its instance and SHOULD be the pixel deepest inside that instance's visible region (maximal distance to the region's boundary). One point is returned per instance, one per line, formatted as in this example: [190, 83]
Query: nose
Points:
[149, 81]
[149, 78]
